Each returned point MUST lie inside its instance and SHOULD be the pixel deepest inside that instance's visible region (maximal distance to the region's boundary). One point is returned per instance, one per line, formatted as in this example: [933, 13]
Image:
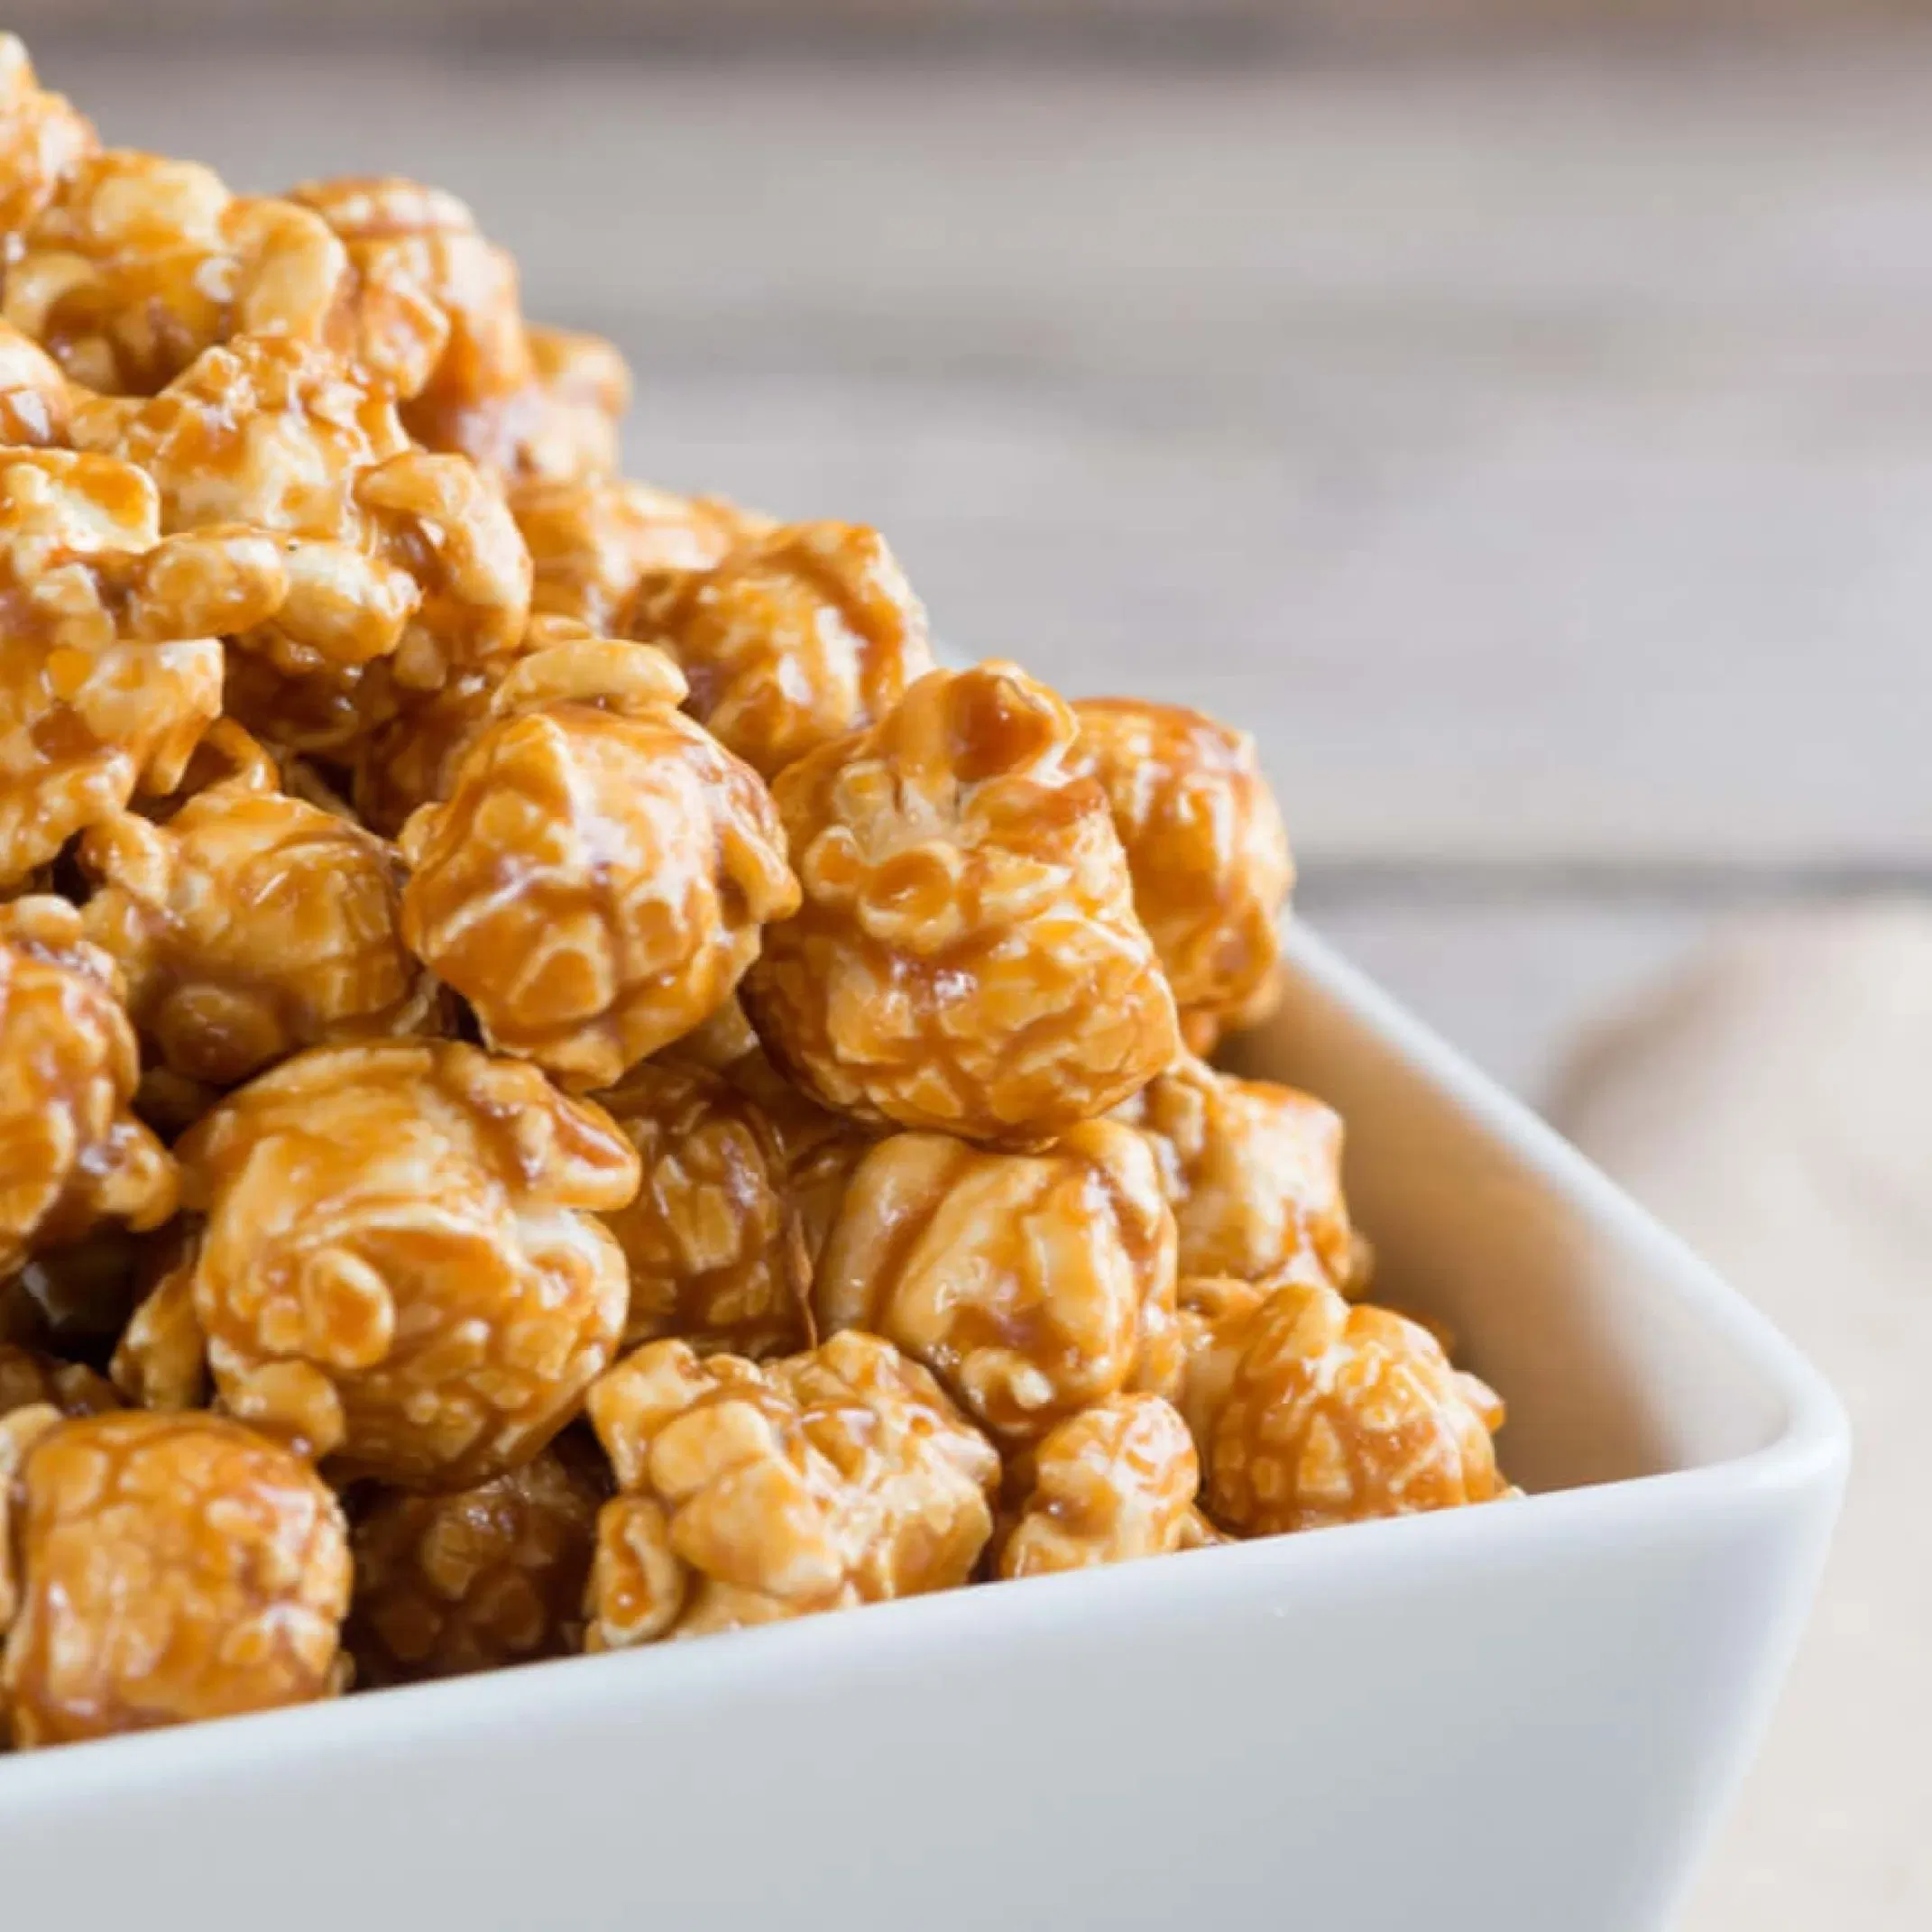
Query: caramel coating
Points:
[716, 1247]
[28, 1377]
[749, 1494]
[167, 1567]
[398, 1270]
[392, 552]
[43, 138]
[1337, 1414]
[113, 667]
[71, 1155]
[967, 959]
[1031, 1284]
[1205, 844]
[137, 263]
[410, 758]
[252, 925]
[36, 405]
[472, 1581]
[1253, 1170]
[597, 883]
[592, 540]
[790, 640]
[1115, 1482]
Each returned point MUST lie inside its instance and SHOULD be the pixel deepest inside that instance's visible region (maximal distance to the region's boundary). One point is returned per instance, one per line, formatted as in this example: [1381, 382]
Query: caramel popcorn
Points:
[597, 883]
[1031, 1284]
[399, 1270]
[35, 402]
[749, 1494]
[113, 667]
[967, 958]
[28, 1378]
[70, 1152]
[1215, 1314]
[1254, 1172]
[565, 424]
[716, 1247]
[474, 1580]
[390, 552]
[790, 640]
[164, 1569]
[42, 140]
[252, 925]
[1115, 1482]
[138, 263]
[410, 758]
[1337, 1414]
[1205, 844]
[592, 540]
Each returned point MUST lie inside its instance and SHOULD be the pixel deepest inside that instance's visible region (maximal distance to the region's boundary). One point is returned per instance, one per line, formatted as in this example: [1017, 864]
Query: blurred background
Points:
[1517, 412]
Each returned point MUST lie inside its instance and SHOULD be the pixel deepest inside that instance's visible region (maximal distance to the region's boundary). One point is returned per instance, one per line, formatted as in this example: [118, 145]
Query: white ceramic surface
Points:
[1520, 1718]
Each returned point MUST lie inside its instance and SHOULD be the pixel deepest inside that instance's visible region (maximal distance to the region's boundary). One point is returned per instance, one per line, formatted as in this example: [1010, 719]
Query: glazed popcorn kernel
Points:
[1214, 1315]
[397, 1269]
[1031, 1284]
[29, 1378]
[390, 552]
[42, 140]
[749, 1494]
[250, 925]
[1115, 1482]
[789, 640]
[566, 424]
[71, 1155]
[596, 882]
[113, 664]
[1254, 1172]
[967, 958]
[1205, 844]
[592, 540]
[1337, 1414]
[476, 1579]
[716, 1249]
[137, 263]
[35, 401]
[164, 1569]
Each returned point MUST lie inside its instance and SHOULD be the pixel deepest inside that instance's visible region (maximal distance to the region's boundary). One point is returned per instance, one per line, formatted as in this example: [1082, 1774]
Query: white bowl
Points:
[1520, 1718]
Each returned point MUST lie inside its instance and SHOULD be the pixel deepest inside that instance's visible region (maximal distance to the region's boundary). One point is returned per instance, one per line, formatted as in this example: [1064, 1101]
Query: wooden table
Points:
[1537, 455]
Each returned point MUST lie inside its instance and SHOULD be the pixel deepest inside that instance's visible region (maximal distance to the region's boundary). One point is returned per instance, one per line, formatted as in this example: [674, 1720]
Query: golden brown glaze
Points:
[71, 1153]
[1205, 844]
[36, 403]
[252, 925]
[164, 1569]
[790, 640]
[43, 138]
[967, 959]
[29, 1377]
[1031, 1284]
[1114, 1483]
[749, 1494]
[1254, 1172]
[401, 1267]
[597, 881]
[446, 1584]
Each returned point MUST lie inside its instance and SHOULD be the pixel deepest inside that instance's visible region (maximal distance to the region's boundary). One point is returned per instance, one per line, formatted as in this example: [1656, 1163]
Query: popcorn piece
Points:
[398, 1270]
[1205, 844]
[252, 925]
[164, 1569]
[967, 958]
[28, 1377]
[472, 1581]
[1114, 1483]
[392, 553]
[1032, 1285]
[716, 1247]
[137, 263]
[788, 642]
[43, 138]
[749, 1495]
[112, 668]
[597, 883]
[35, 403]
[592, 540]
[71, 1155]
[1337, 1414]
[1254, 1172]
[411, 758]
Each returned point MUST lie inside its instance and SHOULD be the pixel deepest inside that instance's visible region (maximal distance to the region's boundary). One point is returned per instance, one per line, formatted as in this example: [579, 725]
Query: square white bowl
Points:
[1520, 1718]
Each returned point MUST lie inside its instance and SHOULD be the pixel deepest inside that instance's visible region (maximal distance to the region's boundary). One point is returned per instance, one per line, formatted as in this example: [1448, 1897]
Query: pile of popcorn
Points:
[561, 1085]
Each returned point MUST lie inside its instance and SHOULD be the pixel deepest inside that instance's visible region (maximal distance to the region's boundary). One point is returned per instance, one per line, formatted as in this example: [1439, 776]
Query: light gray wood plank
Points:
[1538, 456]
